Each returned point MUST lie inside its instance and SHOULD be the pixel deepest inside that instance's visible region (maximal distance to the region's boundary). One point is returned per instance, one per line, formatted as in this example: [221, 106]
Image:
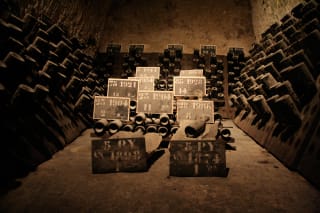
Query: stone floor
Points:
[257, 182]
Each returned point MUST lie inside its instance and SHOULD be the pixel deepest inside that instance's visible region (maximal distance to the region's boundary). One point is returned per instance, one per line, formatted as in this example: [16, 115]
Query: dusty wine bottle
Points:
[225, 134]
[140, 118]
[129, 127]
[164, 119]
[151, 128]
[100, 127]
[133, 105]
[140, 128]
[163, 131]
[196, 127]
[114, 126]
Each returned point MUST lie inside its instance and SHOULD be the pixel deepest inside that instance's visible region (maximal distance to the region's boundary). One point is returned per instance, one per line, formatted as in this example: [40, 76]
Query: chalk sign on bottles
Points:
[136, 48]
[145, 83]
[208, 49]
[189, 86]
[119, 155]
[193, 72]
[155, 102]
[203, 158]
[197, 157]
[175, 46]
[194, 110]
[153, 72]
[127, 88]
[111, 107]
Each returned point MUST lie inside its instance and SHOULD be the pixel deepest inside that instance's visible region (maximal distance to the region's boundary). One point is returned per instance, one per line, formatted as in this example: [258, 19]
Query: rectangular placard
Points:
[175, 46]
[155, 102]
[138, 48]
[153, 72]
[197, 158]
[119, 155]
[193, 72]
[189, 86]
[127, 88]
[208, 49]
[145, 83]
[236, 50]
[113, 48]
[111, 108]
[194, 110]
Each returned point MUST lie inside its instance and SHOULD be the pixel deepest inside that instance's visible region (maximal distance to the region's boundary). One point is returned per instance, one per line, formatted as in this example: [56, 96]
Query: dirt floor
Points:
[256, 182]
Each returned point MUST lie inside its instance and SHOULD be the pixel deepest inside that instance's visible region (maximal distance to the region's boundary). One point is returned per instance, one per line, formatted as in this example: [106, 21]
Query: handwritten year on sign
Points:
[197, 158]
[119, 155]
[193, 72]
[155, 102]
[145, 83]
[111, 108]
[194, 109]
[127, 88]
[189, 86]
[153, 72]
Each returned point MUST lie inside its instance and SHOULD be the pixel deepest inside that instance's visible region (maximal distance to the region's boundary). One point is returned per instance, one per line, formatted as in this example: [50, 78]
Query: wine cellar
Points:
[160, 106]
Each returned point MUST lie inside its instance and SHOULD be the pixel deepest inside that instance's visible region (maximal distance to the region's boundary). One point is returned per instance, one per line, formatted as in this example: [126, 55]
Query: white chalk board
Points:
[155, 102]
[145, 83]
[111, 108]
[153, 72]
[203, 158]
[189, 86]
[194, 110]
[127, 88]
[119, 155]
[193, 72]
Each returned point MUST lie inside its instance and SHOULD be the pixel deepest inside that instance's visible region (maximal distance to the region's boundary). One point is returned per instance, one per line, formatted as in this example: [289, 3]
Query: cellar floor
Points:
[256, 182]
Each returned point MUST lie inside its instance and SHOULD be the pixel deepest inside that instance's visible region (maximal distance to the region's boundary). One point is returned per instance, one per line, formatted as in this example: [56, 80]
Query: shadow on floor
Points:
[154, 156]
